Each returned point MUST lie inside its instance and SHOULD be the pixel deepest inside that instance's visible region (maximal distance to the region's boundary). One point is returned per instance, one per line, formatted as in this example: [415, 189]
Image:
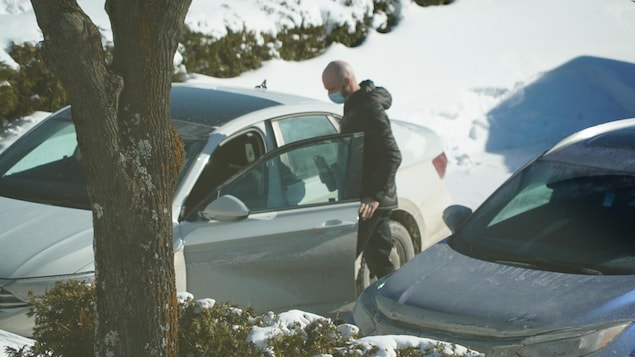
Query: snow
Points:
[8, 339]
[499, 80]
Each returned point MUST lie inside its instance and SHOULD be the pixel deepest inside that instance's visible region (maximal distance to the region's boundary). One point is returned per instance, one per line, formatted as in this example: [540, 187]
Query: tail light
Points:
[440, 163]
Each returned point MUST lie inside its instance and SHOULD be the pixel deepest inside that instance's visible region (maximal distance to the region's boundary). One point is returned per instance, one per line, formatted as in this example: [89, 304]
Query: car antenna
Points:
[262, 85]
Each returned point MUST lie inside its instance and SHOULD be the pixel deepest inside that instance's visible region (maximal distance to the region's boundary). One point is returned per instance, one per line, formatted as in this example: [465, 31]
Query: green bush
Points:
[30, 88]
[319, 337]
[388, 9]
[8, 97]
[432, 2]
[34, 86]
[229, 56]
[218, 331]
[64, 324]
[301, 43]
[342, 34]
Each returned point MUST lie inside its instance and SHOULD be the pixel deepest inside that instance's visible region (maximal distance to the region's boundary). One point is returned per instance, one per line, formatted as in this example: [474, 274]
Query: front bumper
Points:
[611, 338]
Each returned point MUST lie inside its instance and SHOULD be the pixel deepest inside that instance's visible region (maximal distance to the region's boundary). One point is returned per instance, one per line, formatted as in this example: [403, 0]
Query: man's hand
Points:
[367, 208]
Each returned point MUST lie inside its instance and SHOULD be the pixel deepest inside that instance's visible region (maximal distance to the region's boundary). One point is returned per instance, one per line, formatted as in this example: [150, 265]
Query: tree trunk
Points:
[131, 155]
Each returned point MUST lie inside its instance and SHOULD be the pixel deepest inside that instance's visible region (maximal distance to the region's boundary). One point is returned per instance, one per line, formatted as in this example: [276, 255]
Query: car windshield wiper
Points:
[551, 265]
[569, 267]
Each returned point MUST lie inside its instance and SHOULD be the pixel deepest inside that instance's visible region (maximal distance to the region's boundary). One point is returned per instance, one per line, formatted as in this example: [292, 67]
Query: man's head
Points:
[339, 81]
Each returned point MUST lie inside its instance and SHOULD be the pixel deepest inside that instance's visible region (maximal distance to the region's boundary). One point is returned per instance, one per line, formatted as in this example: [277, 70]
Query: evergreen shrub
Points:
[301, 43]
[432, 2]
[64, 322]
[64, 325]
[8, 97]
[390, 9]
[30, 88]
[229, 56]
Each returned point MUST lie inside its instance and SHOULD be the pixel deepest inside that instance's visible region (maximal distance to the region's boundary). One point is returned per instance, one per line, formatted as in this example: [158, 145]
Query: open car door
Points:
[281, 233]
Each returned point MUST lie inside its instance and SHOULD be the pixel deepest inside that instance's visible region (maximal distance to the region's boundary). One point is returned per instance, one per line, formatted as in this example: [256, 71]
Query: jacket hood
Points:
[43, 240]
[444, 290]
[379, 94]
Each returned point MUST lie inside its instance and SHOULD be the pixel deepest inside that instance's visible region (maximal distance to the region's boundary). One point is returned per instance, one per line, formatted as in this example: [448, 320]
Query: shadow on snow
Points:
[580, 93]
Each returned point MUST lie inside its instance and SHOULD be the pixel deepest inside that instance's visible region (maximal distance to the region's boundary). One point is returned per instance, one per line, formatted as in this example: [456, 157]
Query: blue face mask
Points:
[337, 97]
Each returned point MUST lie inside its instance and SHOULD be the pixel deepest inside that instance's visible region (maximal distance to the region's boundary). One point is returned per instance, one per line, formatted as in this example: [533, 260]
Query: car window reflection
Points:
[296, 177]
[228, 159]
[291, 129]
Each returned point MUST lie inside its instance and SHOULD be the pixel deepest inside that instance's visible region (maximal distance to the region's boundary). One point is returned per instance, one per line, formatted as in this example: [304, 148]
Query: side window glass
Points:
[227, 160]
[292, 129]
[324, 171]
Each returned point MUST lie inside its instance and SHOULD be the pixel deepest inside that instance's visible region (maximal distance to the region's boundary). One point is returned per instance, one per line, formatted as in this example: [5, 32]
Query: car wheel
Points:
[402, 251]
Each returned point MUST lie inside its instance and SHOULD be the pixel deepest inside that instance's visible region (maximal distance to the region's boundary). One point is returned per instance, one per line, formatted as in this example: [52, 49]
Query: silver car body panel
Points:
[278, 254]
[419, 146]
[53, 240]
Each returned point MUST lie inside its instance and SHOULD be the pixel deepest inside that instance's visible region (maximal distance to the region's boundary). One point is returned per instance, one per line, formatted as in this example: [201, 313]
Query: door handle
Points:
[337, 222]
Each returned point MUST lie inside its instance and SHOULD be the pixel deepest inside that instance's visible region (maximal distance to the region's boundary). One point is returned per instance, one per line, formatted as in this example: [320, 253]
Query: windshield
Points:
[44, 166]
[557, 217]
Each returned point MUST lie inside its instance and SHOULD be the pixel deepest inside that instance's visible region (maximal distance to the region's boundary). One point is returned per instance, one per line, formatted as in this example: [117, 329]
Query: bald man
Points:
[365, 108]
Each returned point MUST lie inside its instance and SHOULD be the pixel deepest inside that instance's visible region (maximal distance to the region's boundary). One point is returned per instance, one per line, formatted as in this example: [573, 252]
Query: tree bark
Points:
[132, 157]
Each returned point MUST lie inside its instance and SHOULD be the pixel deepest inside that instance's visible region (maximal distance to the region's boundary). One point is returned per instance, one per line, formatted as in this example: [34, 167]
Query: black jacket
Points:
[365, 111]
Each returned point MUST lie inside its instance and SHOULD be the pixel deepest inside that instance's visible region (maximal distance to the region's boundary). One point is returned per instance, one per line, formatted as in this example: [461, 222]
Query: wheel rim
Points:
[397, 254]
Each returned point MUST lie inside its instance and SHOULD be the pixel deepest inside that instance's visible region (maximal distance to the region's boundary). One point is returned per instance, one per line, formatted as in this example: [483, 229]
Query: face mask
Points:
[337, 97]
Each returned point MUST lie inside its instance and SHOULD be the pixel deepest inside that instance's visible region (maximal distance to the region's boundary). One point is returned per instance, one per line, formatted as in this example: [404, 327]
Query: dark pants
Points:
[375, 240]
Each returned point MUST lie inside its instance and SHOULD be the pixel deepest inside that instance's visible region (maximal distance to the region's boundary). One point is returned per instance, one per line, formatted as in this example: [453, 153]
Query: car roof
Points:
[610, 145]
[195, 102]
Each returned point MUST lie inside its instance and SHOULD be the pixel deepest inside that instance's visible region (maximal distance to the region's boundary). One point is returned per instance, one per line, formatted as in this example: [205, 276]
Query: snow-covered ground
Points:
[499, 80]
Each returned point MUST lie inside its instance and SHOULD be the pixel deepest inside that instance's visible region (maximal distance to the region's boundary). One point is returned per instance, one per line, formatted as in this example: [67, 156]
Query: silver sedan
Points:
[265, 212]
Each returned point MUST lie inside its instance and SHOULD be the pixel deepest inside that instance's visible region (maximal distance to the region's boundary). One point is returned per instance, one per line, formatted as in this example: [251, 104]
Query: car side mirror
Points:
[455, 215]
[226, 208]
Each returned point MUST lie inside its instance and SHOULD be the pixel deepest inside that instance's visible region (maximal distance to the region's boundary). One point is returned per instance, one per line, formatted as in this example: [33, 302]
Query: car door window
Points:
[312, 172]
[229, 158]
[292, 129]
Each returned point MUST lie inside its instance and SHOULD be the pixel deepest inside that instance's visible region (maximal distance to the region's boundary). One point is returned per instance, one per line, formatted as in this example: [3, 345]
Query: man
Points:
[365, 111]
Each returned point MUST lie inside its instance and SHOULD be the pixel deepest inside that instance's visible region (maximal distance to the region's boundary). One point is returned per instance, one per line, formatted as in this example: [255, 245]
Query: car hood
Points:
[43, 240]
[444, 290]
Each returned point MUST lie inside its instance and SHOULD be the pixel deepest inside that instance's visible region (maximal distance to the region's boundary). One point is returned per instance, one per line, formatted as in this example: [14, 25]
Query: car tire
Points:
[403, 250]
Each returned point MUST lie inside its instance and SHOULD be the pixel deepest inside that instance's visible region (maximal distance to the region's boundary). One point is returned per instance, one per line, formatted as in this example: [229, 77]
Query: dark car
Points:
[544, 267]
